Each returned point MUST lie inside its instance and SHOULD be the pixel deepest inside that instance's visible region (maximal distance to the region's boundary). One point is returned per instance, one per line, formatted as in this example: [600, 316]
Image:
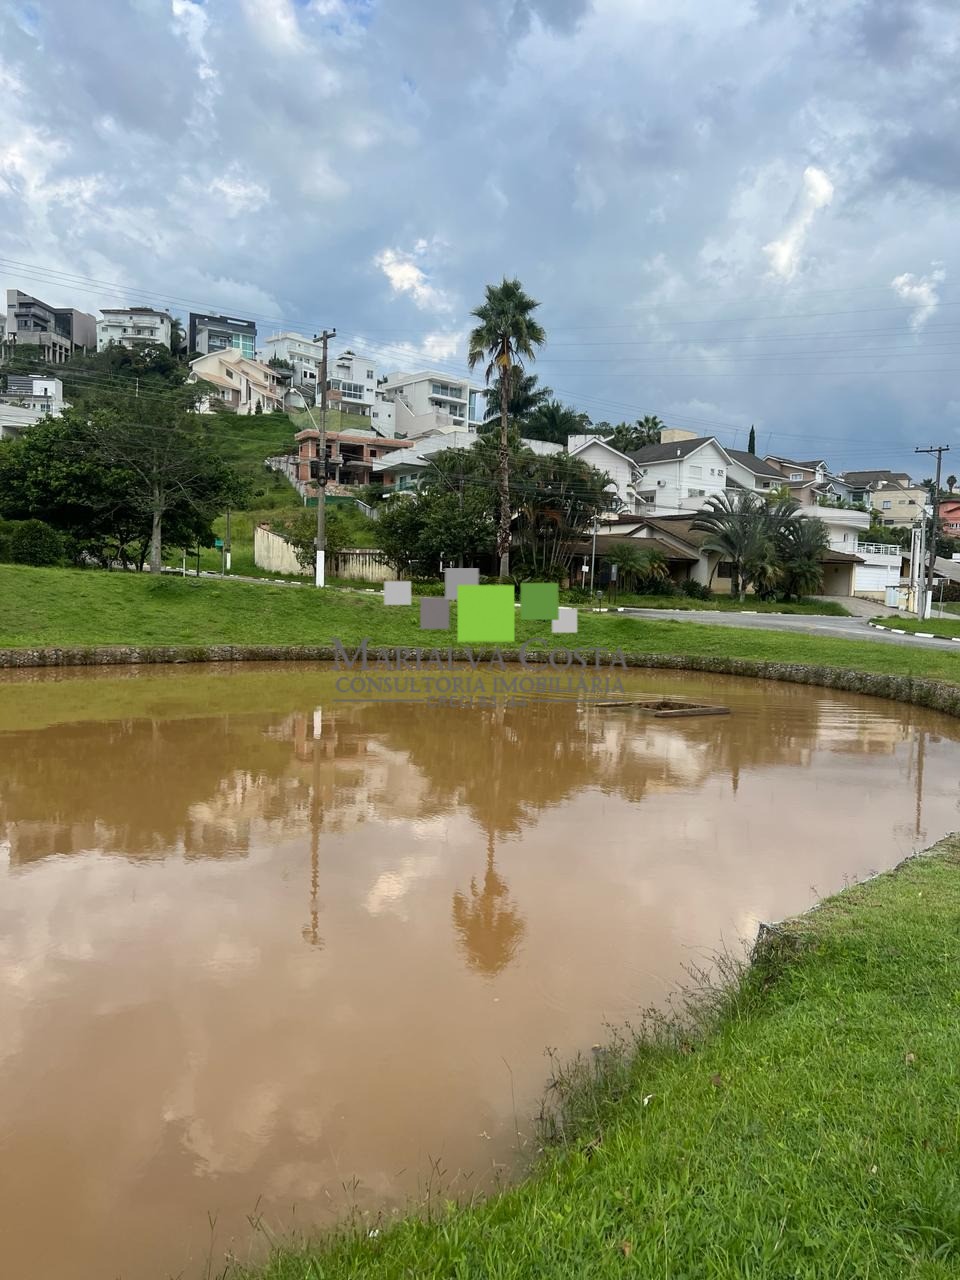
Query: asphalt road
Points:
[805, 624]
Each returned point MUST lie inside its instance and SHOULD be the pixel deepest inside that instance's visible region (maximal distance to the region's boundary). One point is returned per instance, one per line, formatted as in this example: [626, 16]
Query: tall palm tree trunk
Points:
[503, 469]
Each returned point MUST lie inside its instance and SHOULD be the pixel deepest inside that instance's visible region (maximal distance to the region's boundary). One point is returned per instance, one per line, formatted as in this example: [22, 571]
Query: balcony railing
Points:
[888, 549]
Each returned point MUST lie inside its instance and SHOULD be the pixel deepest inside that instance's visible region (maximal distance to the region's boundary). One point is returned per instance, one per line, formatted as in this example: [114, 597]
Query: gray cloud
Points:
[372, 164]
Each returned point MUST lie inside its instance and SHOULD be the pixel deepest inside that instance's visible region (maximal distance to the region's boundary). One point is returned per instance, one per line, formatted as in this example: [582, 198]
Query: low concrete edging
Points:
[938, 695]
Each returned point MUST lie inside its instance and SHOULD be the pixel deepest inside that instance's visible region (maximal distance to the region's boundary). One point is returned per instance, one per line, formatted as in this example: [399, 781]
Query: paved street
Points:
[809, 625]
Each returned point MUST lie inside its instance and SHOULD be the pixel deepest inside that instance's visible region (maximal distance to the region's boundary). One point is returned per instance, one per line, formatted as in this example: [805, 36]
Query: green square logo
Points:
[539, 601]
[485, 614]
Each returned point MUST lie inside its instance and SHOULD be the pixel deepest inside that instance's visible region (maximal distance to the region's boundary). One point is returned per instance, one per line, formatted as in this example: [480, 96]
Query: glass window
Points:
[796, 475]
[887, 506]
[696, 472]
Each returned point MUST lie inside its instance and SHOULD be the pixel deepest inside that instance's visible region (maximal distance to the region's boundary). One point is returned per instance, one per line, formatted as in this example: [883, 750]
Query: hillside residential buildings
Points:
[350, 457]
[303, 355]
[352, 383]
[950, 517]
[241, 385]
[206, 334]
[425, 401]
[892, 494]
[57, 332]
[32, 391]
[133, 327]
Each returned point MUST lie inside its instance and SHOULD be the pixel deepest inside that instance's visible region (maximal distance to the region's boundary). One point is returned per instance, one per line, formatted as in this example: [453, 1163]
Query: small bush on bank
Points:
[32, 542]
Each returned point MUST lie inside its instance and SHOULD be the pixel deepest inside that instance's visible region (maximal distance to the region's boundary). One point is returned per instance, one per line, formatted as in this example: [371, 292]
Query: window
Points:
[370, 374]
[725, 569]
[229, 373]
[696, 493]
[887, 506]
[696, 472]
[796, 475]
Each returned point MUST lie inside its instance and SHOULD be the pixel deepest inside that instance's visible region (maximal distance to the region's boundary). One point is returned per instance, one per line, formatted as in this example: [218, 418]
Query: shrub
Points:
[695, 590]
[36, 543]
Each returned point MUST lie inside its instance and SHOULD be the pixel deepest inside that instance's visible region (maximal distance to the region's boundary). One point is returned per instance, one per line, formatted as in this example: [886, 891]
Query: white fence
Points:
[272, 552]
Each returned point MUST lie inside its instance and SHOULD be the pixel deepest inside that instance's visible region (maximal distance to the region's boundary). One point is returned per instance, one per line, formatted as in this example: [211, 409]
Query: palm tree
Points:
[629, 436]
[505, 336]
[742, 526]
[526, 397]
[555, 422]
[635, 565]
[951, 483]
[800, 547]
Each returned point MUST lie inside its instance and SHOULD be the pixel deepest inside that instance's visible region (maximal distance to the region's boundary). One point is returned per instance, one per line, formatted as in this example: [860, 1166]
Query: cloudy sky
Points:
[735, 212]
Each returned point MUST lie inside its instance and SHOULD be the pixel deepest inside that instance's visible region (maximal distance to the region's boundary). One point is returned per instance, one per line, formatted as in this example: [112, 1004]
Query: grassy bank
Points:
[931, 626]
[806, 1126]
[66, 607]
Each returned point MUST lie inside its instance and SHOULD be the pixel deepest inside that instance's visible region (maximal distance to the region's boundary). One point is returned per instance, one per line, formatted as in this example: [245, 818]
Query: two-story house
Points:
[239, 384]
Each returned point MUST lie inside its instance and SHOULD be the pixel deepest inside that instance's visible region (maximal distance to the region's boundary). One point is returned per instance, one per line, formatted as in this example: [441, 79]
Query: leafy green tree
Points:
[557, 499]
[743, 527]
[801, 545]
[951, 483]
[54, 473]
[506, 334]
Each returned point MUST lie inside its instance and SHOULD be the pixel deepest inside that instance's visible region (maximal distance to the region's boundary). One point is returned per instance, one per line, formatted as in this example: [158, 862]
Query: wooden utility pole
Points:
[321, 572]
[939, 450]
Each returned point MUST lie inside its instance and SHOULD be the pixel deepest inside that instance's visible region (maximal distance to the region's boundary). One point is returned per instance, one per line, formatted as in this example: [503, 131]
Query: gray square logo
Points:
[434, 613]
[566, 623]
[397, 593]
[453, 578]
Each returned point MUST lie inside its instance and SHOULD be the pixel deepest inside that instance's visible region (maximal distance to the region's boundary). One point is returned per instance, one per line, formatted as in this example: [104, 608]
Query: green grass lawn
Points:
[935, 626]
[56, 607]
[807, 1126]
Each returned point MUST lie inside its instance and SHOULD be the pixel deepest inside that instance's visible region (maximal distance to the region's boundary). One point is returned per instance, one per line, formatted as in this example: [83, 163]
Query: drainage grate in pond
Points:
[665, 708]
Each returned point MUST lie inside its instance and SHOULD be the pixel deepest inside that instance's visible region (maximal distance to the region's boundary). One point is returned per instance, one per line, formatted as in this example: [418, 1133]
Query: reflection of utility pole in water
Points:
[311, 932]
[921, 751]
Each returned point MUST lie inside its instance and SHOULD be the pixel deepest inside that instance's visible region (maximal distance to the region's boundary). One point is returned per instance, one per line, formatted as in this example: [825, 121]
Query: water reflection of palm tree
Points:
[489, 925]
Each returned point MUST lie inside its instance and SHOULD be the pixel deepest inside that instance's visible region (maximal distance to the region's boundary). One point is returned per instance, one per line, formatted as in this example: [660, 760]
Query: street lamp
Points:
[320, 567]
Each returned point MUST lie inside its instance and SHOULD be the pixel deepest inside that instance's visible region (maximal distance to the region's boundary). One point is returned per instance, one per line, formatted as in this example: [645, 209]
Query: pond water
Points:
[269, 956]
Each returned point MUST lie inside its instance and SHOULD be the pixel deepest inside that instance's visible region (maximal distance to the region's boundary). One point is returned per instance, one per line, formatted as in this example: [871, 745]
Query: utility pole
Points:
[939, 450]
[320, 579]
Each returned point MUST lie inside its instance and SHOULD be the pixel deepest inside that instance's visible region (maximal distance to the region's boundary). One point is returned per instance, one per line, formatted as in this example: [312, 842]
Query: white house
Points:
[241, 384]
[133, 327]
[29, 391]
[622, 470]
[426, 400]
[304, 355]
[405, 468]
[352, 383]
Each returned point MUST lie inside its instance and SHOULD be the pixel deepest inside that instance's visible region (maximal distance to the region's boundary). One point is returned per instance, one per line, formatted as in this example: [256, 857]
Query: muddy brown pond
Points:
[267, 956]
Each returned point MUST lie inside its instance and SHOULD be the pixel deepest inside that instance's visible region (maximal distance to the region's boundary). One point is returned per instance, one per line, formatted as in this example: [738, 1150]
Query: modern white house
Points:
[207, 333]
[30, 391]
[352, 383]
[241, 384]
[427, 400]
[671, 478]
[133, 327]
[302, 354]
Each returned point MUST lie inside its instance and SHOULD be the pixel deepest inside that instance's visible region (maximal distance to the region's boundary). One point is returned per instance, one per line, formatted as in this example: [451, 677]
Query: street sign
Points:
[218, 543]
